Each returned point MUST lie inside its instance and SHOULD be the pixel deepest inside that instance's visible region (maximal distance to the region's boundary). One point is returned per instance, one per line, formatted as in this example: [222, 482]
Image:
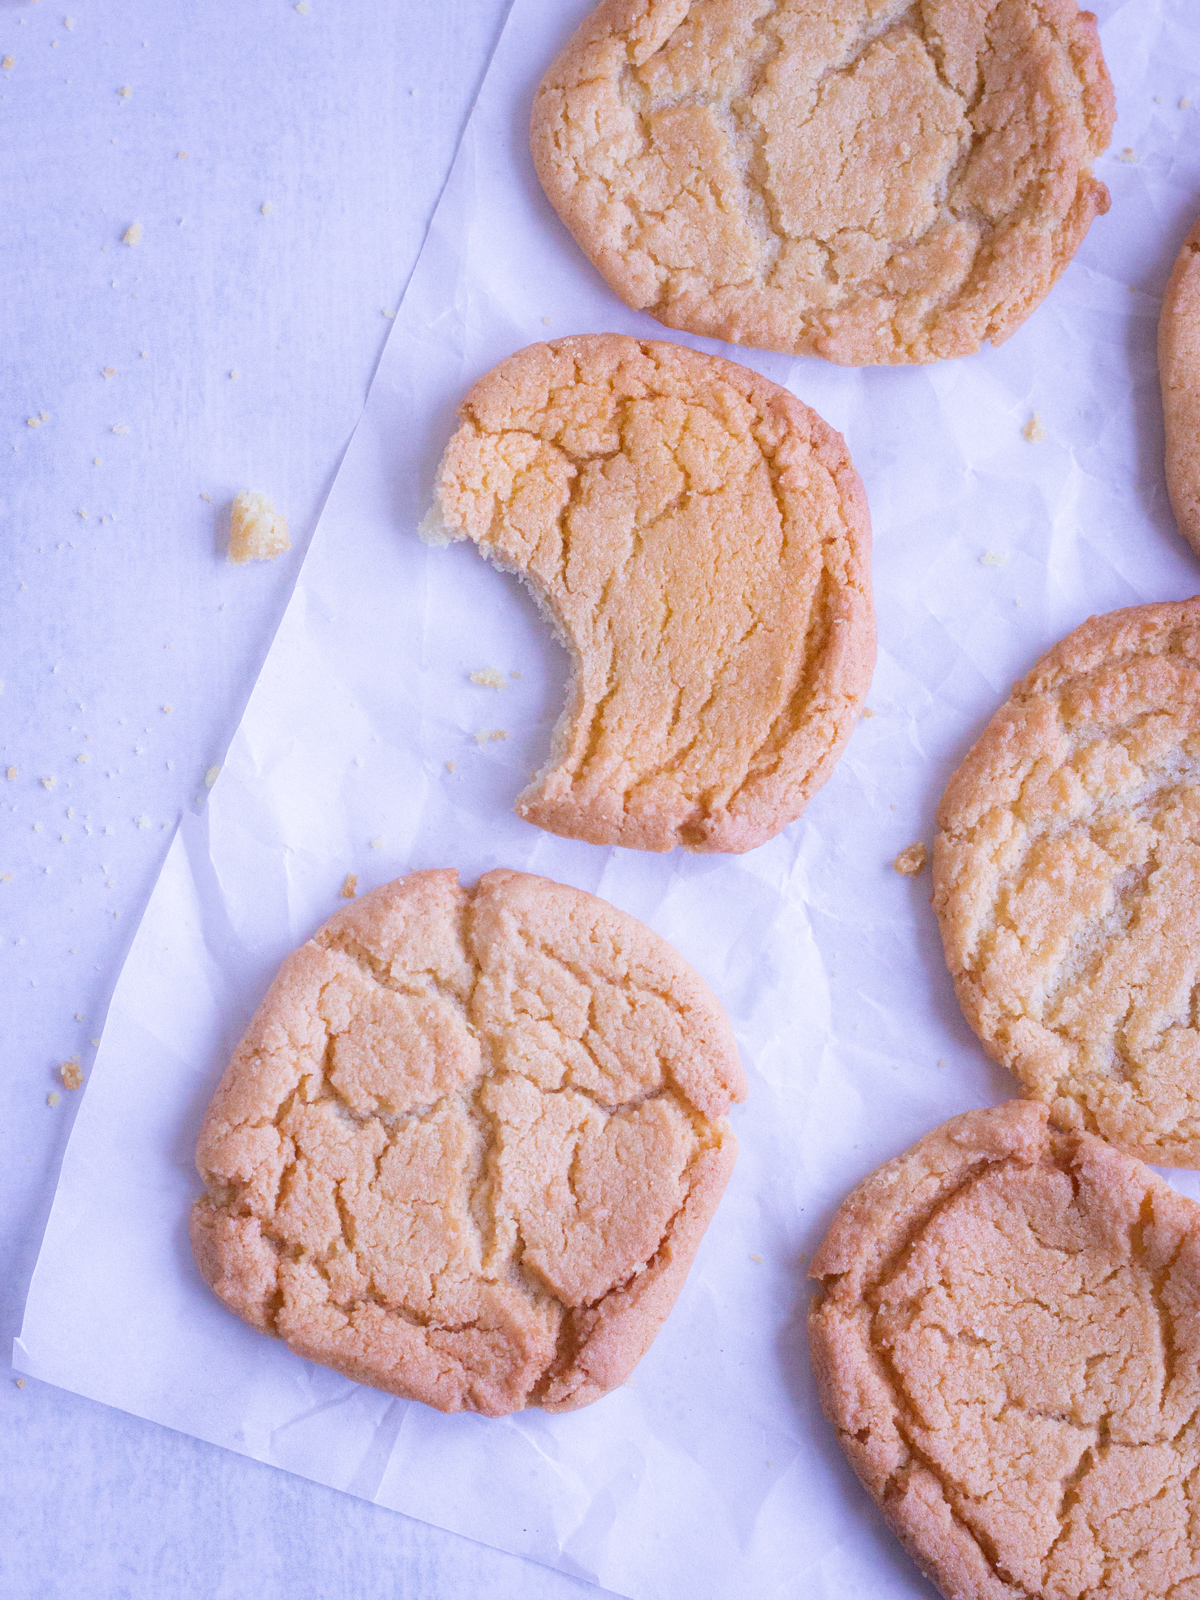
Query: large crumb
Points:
[1033, 430]
[71, 1074]
[350, 887]
[911, 860]
[489, 678]
[257, 532]
[132, 234]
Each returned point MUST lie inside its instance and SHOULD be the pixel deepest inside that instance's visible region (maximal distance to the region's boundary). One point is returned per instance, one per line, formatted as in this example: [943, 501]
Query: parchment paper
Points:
[711, 1473]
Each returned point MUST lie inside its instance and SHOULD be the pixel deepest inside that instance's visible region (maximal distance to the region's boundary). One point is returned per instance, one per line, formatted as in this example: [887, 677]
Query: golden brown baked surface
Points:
[873, 181]
[1067, 881]
[700, 541]
[1179, 370]
[1005, 1339]
[469, 1144]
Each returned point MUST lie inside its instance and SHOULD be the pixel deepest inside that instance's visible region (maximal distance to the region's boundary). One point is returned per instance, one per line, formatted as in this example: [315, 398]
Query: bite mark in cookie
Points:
[872, 183]
[700, 540]
[1005, 1339]
[1067, 881]
[470, 1143]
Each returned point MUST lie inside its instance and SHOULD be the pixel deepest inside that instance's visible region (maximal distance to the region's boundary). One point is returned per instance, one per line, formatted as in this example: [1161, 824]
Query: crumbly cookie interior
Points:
[1006, 1341]
[699, 539]
[1068, 882]
[466, 1134]
[1179, 367]
[872, 181]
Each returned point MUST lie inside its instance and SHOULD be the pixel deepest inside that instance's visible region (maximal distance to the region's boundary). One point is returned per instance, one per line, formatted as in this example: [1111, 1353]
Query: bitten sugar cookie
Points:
[1006, 1341]
[700, 541]
[1179, 369]
[469, 1144]
[870, 182]
[1067, 881]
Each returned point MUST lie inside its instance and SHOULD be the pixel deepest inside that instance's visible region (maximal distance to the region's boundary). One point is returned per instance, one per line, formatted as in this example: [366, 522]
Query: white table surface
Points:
[343, 120]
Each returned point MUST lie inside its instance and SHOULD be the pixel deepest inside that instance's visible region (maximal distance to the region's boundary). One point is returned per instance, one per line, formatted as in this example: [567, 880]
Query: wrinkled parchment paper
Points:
[711, 1474]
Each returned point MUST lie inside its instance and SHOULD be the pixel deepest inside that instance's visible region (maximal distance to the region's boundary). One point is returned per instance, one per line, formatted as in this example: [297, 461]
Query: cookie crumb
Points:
[489, 678]
[1185, 103]
[11, 774]
[52, 1099]
[1033, 430]
[9, 61]
[125, 92]
[47, 783]
[120, 428]
[390, 315]
[1127, 155]
[211, 776]
[753, 1257]
[994, 558]
[257, 532]
[132, 234]
[168, 709]
[33, 422]
[266, 208]
[498, 734]
[20, 1382]
[108, 372]
[302, 7]
[71, 1074]
[6, 877]
[376, 844]
[867, 711]
[912, 860]
[350, 888]
[449, 766]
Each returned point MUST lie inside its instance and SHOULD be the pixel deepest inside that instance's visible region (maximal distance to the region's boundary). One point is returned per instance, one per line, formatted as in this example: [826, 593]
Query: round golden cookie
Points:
[701, 543]
[1067, 881]
[1179, 369]
[470, 1143]
[1005, 1338]
[869, 182]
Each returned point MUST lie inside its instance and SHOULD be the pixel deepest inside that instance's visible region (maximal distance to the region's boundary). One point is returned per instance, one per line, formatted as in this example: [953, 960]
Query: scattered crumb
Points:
[376, 844]
[302, 7]
[545, 322]
[95, 1041]
[96, 462]
[33, 422]
[168, 709]
[81, 513]
[1033, 429]
[390, 315]
[235, 373]
[1127, 155]
[499, 733]
[9, 61]
[489, 678]
[142, 822]
[753, 1257]
[350, 887]
[482, 736]
[143, 354]
[47, 783]
[912, 860]
[1158, 99]
[257, 532]
[211, 776]
[514, 674]
[1185, 103]
[266, 208]
[71, 1074]
[120, 428]
[6, 877]
[11, 774]
[181, 155]
[79, 1016]
[132, 234]
[109, 372]
[52, 1099]
[449, 766]
[125, 92]
[941, 1063]
[20, 1382]
[82, 757]
[209, 498]
[867, 712]
[994, 558]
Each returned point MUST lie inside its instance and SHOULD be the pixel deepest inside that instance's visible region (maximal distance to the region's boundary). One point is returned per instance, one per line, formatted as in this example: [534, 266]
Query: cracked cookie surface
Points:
[700, 541]
[872, 181]
[1005, 1339]
[1067, 881]
[469, 1144]
[1179, 370]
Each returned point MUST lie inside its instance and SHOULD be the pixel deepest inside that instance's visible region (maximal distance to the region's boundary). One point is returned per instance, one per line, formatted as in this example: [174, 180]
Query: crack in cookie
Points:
[1067, 881]
[874, 181]
[700, 541]
[470, 1143]
[1004, 1337]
